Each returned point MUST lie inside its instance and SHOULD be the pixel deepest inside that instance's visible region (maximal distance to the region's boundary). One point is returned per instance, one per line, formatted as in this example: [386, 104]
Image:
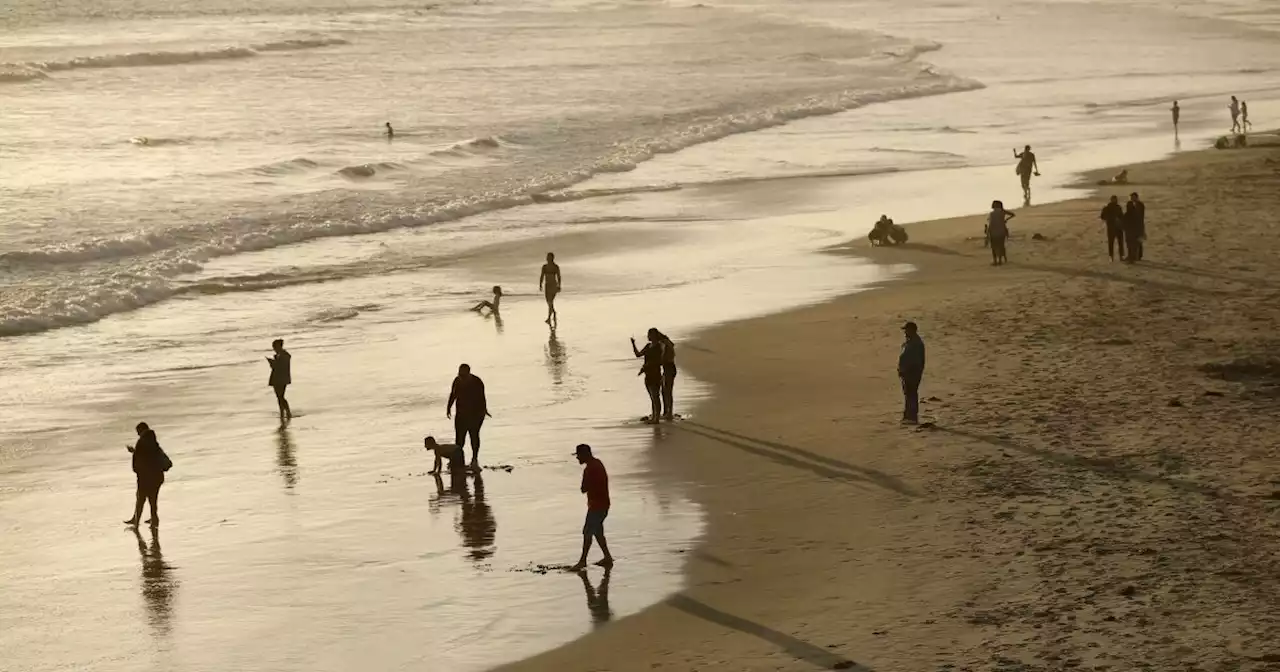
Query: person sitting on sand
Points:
[998, 231]
[1027, 167]
[493, 305]
[595, 483]
[442, 451]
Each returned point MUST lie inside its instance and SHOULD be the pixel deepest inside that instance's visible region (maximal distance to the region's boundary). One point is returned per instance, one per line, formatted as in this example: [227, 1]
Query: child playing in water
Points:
[491, 305]
[447, 451]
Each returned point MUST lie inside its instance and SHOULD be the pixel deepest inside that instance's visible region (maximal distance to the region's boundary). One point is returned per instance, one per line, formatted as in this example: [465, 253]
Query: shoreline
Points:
[965, 523]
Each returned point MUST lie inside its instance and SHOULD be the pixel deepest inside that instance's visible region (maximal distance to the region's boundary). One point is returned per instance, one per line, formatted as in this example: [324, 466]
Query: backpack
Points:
[163, 458]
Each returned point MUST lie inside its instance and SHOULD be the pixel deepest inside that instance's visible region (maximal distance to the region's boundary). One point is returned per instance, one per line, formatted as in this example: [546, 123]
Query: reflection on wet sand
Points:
[159, 587]
[476, 523]
[286, 462]
[556, 358]
[597, 598]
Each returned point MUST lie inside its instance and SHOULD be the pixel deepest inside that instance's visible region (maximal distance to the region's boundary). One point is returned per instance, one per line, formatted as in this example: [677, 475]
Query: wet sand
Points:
[1095, 487]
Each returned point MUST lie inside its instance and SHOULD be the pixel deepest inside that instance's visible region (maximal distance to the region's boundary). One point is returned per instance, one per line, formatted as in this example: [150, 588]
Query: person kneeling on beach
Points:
[998, 231]
[595, 483]
[443, 451]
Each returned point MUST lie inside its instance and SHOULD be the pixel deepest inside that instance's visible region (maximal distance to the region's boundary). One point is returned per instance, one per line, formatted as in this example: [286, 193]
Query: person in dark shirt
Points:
[149, 465]
[1113, 215]
[1135, 227]
[281, 376]
[652, 372]
[669, 373]
[911, 371]
[391, 132]
[468, 394]
[595, 483]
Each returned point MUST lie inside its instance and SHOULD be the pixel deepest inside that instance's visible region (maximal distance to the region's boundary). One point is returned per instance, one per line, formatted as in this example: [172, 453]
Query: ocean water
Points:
[182, 182]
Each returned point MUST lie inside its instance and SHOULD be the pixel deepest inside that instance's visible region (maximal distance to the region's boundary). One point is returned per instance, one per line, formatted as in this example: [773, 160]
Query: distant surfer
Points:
[1234, 107]
[1177, 113]
[391, 132]
[549, 282]
[1027, 167]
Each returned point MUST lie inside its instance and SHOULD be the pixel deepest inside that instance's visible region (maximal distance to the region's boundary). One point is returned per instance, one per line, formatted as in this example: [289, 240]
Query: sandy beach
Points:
[1095, 485]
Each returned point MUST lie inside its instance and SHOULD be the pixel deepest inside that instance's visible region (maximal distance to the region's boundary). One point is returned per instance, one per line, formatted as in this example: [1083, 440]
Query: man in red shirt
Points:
[595, 482]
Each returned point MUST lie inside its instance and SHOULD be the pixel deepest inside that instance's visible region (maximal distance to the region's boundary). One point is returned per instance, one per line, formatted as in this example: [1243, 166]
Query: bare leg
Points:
[153, 497]
[655, 400]
[137, 508]
[608, 559]
[285, 412]
[586, 548]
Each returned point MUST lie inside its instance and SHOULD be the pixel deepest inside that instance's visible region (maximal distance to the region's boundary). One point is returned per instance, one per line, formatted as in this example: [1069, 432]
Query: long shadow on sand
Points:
[1116, 277]
[1102, 467]
[800, 458]
[797, 648]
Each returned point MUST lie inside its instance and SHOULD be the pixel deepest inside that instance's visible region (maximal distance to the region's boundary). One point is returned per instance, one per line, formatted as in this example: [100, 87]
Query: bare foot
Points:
[475, 467]
[433, 472]
[578, 567]
[132, 522]
[606, 563]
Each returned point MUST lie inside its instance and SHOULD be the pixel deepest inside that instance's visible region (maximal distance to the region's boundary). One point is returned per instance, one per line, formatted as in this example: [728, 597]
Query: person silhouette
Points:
[595, 483]
[911, 372]
[1177, 114]
[391, 132]
[492, 306]
[149, 464]
[652, 372]
[549, 283]
[1234, 108]
[281, 377]
[1027, 167]
[1245, 124]
[669, 373]
[468, 393]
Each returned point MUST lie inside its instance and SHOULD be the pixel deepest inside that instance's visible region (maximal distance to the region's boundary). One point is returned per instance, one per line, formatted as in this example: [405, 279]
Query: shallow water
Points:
[325, 546]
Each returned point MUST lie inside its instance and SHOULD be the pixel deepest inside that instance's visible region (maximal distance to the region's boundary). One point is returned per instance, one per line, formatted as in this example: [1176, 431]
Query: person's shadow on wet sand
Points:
[598, 598]
[557, 358]
[159, 587]
[476, 524]
[286, 460]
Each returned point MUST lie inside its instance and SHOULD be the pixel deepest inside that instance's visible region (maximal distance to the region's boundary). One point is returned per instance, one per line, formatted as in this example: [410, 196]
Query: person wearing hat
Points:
[911, 371]
[595, 483]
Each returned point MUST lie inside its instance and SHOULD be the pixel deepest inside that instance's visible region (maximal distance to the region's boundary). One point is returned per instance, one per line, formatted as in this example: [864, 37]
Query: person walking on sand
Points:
[1027, 167]
[1177, 114]
[281, 376]
[149, 465]
[1135, 227]
[468, 393]
[1113, 215]
[911, 372]
[1234, 107]
[494, 305]
[998, 231]
[652, 372]
[549, 282]
[595, 483]
[668, 376]
[1245, 124]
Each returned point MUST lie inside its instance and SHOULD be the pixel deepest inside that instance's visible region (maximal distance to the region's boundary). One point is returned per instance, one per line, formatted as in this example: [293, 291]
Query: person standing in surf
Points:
[549, 282]
[669, 372]
[281, 377]
[595, 483]
[391, 132]
[1027, 167]
[1177, 114]
[149, 465]
[652, 372]
[468, 393]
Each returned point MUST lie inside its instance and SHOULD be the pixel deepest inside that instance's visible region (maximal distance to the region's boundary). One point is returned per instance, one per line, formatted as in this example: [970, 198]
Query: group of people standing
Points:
[659, 371]
[1126, 227]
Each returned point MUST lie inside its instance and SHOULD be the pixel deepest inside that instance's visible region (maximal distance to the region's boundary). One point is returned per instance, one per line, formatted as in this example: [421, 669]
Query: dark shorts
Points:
[595, 522]
[149, 483]
[551, 293]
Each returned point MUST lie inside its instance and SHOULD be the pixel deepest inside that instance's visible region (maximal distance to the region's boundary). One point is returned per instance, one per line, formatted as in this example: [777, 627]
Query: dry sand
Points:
[1099, 487]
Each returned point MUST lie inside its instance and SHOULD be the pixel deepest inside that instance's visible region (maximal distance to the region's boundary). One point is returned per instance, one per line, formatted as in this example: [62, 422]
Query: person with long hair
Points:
[652, 372]
[669, 372]
[149, 464]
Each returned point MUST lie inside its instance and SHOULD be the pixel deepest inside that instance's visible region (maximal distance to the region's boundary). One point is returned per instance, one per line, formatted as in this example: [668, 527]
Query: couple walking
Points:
[659, 371]
[1126, 227]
